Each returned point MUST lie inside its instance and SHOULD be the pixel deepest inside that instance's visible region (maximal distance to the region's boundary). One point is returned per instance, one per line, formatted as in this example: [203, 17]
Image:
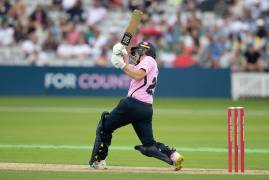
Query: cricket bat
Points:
[132, 27]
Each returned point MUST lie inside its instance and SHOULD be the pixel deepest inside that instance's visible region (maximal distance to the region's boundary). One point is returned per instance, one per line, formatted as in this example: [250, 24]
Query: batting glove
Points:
[119, 49]
[118, 61]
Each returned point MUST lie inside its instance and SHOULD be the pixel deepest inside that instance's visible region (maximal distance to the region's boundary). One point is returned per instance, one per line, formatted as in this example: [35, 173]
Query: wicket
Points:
[231, 111]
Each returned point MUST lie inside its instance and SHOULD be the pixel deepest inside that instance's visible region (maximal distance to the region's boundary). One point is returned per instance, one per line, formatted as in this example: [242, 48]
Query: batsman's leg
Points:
[162, 152]
[143, 128]
[176, 158]
[109, 122]
[153, 151]
[101, 144]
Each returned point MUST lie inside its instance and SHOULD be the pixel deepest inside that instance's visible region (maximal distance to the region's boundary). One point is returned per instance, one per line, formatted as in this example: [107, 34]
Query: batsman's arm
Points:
[137, 74]
[120, 60]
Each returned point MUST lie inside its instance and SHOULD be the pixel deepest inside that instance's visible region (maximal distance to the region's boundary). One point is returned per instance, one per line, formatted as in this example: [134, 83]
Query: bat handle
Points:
[126, 39]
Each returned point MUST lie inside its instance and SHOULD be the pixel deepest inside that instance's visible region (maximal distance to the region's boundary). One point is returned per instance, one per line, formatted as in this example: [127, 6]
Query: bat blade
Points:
[132, 27]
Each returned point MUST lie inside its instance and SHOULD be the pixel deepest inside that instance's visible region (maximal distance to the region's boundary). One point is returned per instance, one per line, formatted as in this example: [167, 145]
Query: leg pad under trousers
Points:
[153, 151]
[102, 141]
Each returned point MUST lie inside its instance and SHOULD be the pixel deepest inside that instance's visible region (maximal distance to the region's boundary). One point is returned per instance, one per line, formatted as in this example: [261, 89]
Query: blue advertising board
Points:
[63, 81]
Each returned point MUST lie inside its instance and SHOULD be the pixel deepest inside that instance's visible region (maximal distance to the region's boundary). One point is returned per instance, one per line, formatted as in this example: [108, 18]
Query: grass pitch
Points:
[61, 130]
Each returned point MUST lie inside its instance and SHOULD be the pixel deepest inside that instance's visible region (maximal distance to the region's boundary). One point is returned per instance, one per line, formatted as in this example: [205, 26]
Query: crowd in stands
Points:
[236, 38]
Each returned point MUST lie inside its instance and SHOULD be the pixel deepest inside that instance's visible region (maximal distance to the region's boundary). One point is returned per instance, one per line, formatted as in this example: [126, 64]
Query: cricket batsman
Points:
[135, 109]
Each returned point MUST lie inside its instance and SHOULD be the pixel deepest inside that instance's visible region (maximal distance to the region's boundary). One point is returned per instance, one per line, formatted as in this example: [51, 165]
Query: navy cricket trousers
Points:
[135, 112]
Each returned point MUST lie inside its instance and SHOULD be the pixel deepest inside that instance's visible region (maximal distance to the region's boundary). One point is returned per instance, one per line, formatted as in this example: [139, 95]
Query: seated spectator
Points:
[236, 60]
[20, 32]
[167, 58]
[54, 29]
[65, 25]
[38, 58]
[113, 38]
[135, 4]
[73, 34]
[41, 33]
[217, 49]
[103, 58]
[225, 60]
[252, 60]
[64, 50]
[56, 5]
[151, 29]
[185, 59]
[6, 34]
[117, 3]
[265, 57]
[188, 40]
[97, 42]
[75, 13]
[4, 7]
[82, 49]
[39, 16]
[96, 13]
[17, 10]
[68, 4]
[50, 44]
[166, 54]
[30, 46]
[90, 34]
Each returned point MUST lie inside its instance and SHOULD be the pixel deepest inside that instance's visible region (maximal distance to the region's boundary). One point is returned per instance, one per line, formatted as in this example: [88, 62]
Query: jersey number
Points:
[151, 87]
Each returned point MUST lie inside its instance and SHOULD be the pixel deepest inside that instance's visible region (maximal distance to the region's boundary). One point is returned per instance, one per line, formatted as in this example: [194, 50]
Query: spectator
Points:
[113, 39]
[50, 44]
[56, 5]
[73, 34]
[151, 29]
[217, 51]
[39, 16]
[139, 4]
[265, 58]
[188, 40]
[261, 32]
[20, 32]
[90, 34]
[65, 49]
[18, 10]
[75, 13]
[102, 59]
[41, 33]
[185, 59]
[65, 25]
[117, 3]
[54, 29]
[38, 58]
[97, 42]
[167, 57]
[6, 34]
[176, 30]
[236, 60]
[68, 4]
[81, 49]
[30, 46]
[252, 60]
[96, 13]
[135, 4]
[4, 7]
[214, 41]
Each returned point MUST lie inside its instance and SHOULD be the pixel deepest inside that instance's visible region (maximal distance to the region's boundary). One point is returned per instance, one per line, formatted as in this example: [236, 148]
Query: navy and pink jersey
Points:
[143, 90]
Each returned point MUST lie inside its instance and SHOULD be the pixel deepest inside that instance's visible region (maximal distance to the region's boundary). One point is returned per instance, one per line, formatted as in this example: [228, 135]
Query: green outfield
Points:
[60, 130]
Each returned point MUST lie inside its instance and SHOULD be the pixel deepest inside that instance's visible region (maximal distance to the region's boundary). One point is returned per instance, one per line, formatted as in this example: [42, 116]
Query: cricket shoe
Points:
[177, 160]
[99, 164]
